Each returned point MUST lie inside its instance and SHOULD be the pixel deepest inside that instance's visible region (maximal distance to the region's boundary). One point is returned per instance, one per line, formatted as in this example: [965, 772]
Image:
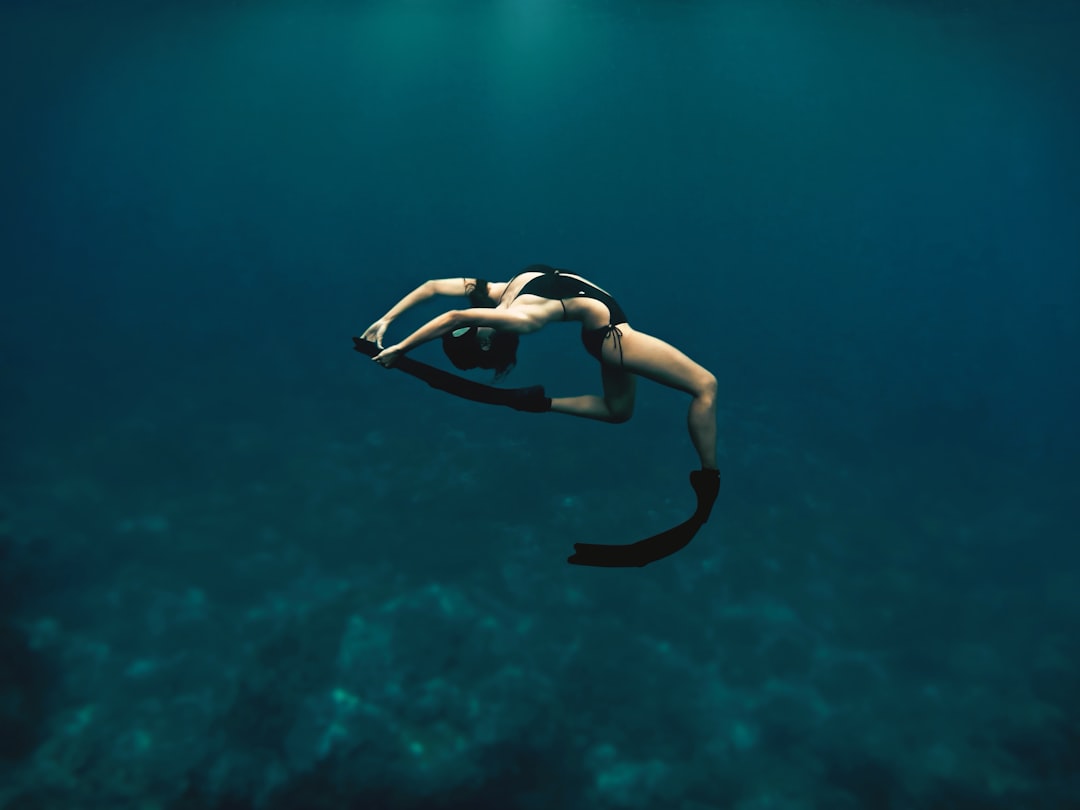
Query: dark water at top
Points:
[862, 217]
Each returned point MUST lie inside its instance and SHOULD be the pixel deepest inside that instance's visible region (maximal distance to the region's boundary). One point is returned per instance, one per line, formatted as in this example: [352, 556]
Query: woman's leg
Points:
[661, 362]
[616, 405]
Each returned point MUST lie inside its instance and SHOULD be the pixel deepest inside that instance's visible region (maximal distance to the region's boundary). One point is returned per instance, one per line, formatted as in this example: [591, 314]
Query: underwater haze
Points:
[242, 566]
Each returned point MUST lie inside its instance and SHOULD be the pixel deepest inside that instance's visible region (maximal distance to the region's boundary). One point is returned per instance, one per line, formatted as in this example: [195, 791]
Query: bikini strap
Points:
[615, 333]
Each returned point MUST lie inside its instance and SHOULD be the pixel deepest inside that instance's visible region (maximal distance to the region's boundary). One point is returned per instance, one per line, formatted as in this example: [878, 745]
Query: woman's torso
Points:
[580, 305]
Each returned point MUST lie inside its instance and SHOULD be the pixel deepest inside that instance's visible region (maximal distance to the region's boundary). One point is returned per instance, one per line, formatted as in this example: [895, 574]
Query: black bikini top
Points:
[556, 286]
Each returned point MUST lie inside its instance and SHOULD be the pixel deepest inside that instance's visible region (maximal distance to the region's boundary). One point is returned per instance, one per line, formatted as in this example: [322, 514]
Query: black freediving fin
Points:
[530, 398]
[706, 484]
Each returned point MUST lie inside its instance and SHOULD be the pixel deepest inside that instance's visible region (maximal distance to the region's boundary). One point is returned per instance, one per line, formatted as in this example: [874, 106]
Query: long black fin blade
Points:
[639, 554]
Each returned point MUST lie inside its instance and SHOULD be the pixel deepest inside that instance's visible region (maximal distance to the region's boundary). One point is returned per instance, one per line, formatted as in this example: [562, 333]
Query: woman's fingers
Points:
[375, 333]
[377, 330]
[386, 357]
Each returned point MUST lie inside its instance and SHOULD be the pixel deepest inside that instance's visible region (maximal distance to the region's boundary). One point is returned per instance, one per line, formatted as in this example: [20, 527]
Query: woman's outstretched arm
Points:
[429, 289]
[522, 323]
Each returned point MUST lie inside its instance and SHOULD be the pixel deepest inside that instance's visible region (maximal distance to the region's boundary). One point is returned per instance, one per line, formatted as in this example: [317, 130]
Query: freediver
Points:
[486, 335]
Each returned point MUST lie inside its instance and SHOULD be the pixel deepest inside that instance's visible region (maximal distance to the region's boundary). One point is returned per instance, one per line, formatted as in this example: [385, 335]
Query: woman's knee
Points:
[706, 387]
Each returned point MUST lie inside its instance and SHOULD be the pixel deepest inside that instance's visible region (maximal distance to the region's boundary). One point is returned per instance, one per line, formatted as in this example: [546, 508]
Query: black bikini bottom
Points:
[594, 340]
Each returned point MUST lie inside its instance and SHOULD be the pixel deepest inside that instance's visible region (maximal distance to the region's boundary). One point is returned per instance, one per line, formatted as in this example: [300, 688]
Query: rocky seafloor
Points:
[169, 649]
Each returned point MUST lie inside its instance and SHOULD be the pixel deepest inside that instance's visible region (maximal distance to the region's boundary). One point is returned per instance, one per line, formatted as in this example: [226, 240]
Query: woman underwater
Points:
[486, 336]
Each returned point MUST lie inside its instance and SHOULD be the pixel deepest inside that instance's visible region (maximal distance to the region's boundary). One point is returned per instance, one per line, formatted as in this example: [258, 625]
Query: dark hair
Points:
[479, 295]
[465, 351]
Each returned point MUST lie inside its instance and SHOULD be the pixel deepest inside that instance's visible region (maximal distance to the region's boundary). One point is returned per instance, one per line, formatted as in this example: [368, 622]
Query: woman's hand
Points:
[376, 331]
[387, 357]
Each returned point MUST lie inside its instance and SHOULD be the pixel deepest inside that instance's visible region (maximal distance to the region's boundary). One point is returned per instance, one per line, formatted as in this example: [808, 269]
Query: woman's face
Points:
[485, 334]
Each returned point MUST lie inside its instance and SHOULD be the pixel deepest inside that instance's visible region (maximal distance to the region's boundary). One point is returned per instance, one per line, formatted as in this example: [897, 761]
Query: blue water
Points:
[242, 567]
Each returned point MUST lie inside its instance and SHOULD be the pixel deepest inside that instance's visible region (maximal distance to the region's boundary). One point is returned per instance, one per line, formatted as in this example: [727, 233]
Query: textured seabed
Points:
[246, 618]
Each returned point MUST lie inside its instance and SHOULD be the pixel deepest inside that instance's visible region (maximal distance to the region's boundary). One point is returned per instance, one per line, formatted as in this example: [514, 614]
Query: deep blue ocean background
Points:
[242, 567]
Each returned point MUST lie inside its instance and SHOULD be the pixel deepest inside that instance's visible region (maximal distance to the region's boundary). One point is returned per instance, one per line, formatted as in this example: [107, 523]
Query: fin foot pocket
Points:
[706, 484]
